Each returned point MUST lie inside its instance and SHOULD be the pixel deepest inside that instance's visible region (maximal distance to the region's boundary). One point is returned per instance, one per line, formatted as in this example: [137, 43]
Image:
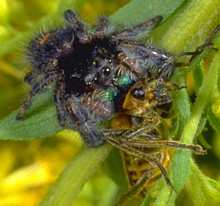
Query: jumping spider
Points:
[90, 70]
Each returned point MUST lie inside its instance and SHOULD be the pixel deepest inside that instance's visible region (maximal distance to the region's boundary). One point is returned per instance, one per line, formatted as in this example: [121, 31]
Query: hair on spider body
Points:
[80, 62]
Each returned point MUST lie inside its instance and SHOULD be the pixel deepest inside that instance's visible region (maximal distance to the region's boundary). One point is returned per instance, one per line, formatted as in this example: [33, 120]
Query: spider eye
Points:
[88, 84]
[106, 71]
[94, 63]
[138, 93]
[96, 79]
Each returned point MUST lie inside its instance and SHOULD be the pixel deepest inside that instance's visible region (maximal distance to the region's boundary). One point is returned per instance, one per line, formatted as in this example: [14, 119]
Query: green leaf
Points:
[139, 10]
[180, 168]
[115, 162]
[207, 190]
[214, 108]
[182, 105]
[180, 171]
[214, 121]
[163, 196]
[190, 28]
[198, 74]
[39, 122]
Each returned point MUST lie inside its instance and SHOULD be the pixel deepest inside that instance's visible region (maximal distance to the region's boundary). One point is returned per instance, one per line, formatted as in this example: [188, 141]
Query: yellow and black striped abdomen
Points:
[136, 168]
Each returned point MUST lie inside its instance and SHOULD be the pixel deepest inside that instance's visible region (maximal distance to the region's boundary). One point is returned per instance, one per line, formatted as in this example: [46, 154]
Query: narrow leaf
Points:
[139, 10]
[75, 175]
[40, 121]
[206, 189]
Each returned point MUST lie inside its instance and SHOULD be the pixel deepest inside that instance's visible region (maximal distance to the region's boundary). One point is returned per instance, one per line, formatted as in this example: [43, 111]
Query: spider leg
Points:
[36, 76]
[64, 117]
[32, 77]
[132, 33]
[97, 104]
[81, 113]
[102, 27]
[130, 65]
[36, 88]
[81, 30]
[79, 119]
[145, 59]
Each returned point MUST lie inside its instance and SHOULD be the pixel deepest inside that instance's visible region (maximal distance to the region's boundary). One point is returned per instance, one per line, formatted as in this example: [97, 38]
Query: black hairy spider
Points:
[90, 70]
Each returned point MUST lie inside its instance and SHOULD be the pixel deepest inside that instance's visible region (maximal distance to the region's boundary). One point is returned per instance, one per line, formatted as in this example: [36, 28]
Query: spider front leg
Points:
[63, 116]
[36, 88]
[74, 115]
[133, 32]
[131, 65]
[102, 27]
[80, 28]
[38, 75]
[146, 61]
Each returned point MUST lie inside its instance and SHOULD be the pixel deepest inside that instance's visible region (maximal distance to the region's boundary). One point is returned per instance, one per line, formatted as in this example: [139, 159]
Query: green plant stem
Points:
[204, 94]
[73, 178]
[181, 165]
[207, 189]
[195, 23]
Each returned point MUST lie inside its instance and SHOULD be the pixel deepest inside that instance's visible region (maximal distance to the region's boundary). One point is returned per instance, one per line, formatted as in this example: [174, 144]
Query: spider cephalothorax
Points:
[90, 70]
